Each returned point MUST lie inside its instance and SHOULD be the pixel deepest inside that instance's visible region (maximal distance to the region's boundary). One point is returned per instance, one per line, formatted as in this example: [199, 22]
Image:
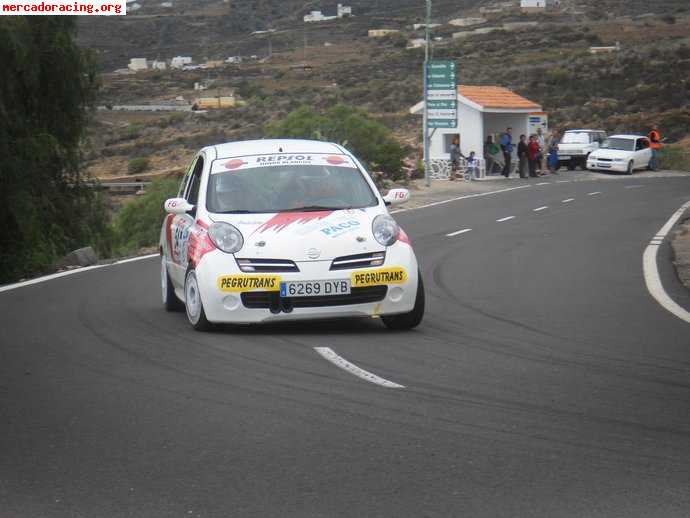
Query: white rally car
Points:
[622, 153]
[277, 230]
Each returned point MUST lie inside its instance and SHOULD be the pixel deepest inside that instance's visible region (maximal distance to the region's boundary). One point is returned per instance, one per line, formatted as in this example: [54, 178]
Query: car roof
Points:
[267, 146]
[627, 136]
[584, 131]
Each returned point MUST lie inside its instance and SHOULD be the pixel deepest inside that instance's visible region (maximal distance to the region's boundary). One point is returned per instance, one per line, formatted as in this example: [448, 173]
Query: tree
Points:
[47, 88]
[367, 138]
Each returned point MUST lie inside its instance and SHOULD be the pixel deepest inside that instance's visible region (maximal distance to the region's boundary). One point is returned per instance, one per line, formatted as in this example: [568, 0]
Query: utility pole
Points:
[427, 162]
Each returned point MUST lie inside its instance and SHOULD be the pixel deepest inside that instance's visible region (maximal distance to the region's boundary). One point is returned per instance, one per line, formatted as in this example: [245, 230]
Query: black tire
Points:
[170, 300]
[583, 164]
[412, 319]
[194, 307]
[631, 168]
[571, 165]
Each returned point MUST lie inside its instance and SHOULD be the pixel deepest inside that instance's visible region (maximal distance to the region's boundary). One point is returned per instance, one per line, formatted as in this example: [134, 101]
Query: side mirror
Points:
[177, 206]
[396, 196]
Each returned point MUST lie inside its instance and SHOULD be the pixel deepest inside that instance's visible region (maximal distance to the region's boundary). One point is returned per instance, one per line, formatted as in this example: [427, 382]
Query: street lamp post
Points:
[427, 170]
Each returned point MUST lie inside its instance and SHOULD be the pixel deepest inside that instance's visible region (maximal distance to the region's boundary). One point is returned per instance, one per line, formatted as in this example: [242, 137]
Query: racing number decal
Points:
[395, 275]
[239, 283]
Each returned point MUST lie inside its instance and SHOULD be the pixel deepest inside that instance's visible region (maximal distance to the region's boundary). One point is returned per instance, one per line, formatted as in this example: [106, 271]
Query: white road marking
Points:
[45, 278]
[563, 181]
[540, 208]
[634, 186]
[543, 183]
[477, 195]
[568, 200]
[593, 193]
[505, 219]
[463, 231]
[330, 355]
[651, 269]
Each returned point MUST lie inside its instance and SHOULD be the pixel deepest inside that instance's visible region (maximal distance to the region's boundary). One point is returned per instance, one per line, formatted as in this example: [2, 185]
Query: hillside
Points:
[647, 80]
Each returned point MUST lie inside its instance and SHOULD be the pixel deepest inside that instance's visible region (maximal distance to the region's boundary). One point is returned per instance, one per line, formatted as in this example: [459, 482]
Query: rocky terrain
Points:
[648, 79]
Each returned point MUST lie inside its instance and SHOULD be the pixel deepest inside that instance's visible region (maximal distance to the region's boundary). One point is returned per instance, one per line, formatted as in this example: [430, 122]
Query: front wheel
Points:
[630, 169]
[571, 165]
[193, 305]
[414, 317]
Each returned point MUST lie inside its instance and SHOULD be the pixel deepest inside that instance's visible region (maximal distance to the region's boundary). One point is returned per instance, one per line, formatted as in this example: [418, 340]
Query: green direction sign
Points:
[442, 123]
[441, 94]
[442, 105]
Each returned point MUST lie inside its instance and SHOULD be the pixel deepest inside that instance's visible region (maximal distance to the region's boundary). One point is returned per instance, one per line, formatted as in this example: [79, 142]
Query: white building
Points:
[158, 65]
[136, 64]
[416, 43]
[344, 10]
[234, 59]
[317, 16]
[180, 61]
[417, 26]
[482, 111]
[532, 5]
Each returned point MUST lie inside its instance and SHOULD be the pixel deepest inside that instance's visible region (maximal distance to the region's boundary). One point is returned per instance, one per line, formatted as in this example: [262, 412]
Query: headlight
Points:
[226, 237]
[385, 229]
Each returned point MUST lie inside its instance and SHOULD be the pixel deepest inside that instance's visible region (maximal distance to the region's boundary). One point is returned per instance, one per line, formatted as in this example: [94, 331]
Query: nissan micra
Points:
[278, 230]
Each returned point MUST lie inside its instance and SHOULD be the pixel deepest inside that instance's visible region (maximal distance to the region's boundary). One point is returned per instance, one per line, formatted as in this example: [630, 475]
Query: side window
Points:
[194, 182]
[639, 145]
[185, 179]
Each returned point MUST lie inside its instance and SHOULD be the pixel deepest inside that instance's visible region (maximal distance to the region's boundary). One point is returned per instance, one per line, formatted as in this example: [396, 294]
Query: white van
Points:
[576, 145]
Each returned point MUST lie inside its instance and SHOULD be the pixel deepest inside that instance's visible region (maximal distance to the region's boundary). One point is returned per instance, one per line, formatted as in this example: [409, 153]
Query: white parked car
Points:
[576, 145]
[276, 230]
[622, 153]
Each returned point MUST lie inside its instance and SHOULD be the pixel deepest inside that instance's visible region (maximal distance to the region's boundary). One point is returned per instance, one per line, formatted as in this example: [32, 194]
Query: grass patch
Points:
[674, 157]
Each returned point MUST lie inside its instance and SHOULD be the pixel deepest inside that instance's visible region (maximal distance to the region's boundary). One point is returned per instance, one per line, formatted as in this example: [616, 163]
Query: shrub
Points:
[366, 137]
[676, 158]
[138, 165]
[139, 222]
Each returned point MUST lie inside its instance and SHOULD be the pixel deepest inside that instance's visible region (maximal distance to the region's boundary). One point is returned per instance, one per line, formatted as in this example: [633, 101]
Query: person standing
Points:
[552, 160]
[507, 148]
[533, 155]
[541, 166]
[522, 152]
[655, 145]
[455, 156]
[490, 149]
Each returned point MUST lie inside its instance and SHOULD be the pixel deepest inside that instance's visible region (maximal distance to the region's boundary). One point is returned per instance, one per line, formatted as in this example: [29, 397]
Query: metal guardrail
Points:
[121, 186]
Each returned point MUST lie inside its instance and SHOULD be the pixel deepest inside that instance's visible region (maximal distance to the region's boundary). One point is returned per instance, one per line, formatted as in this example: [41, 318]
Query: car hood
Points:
[612, 153]
[305, 236]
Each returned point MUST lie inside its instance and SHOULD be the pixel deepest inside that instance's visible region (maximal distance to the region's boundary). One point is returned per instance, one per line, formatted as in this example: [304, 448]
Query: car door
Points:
[641, 158]
[181, 225]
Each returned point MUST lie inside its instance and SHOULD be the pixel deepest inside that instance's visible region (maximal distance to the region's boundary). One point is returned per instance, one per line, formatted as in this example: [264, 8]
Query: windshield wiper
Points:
[237, 212]
[313, 208]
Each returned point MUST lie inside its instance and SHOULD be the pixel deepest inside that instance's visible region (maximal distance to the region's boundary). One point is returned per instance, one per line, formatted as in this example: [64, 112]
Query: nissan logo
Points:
[313, 253]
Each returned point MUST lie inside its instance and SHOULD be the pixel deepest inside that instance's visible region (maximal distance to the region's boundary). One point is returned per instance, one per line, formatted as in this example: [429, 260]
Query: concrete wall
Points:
[496, 123]
[470, 130]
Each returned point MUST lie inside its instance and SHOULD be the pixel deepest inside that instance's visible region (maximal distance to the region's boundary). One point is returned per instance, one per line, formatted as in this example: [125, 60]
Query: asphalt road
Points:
[544, 381]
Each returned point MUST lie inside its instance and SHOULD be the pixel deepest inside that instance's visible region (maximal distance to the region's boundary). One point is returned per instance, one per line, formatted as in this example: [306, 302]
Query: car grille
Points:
[349, 262]
[267, 265]
[272, 300]
[604, 160]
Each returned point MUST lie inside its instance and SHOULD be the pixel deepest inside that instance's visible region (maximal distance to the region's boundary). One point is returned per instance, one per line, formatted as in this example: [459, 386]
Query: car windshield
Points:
[622, 144]
[575, 137]
[282, 188]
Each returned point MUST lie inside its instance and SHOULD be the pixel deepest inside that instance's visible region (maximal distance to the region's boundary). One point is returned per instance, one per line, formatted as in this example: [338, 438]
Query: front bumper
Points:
[597, 165]
[257, 306]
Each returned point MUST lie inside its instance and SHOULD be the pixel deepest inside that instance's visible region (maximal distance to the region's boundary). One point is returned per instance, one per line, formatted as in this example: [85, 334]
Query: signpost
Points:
[440, 100]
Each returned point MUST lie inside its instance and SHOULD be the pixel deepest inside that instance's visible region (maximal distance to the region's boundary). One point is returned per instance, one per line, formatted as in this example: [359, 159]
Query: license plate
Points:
[314, 288]
[564, 157]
